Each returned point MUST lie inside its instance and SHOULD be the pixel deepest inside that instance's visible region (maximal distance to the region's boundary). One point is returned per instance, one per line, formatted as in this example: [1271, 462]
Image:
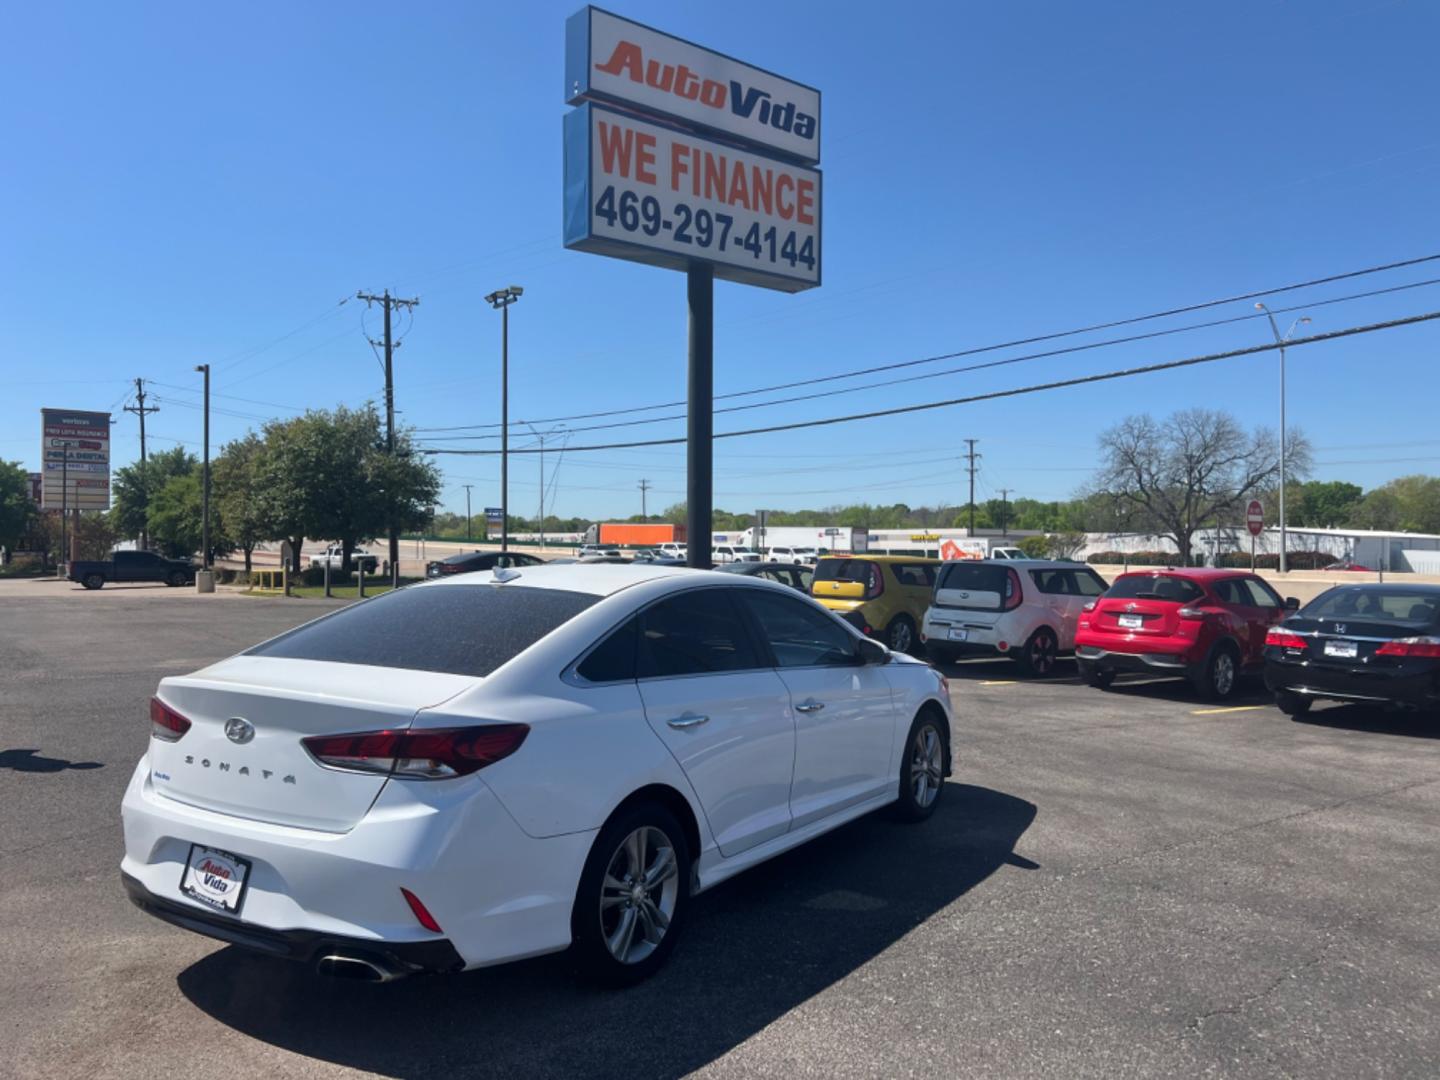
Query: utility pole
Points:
[205, 489]
[1005, 511]
[1303, 320]
[645, 487]
[140, 409]
[389, 303]
[467, 488]
[972, 457]
[502, 299]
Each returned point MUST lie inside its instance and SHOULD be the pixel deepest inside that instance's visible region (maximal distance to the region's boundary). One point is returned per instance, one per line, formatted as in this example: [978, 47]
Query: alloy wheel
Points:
[1223, 678]
[638, 894]
[900, 636]
[926, 766]
[1042, 653]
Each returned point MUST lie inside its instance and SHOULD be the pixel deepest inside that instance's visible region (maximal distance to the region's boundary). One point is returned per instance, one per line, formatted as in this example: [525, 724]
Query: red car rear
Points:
[1208, 626]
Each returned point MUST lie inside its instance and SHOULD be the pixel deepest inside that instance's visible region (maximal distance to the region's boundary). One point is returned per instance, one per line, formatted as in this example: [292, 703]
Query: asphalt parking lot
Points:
[1117, 884]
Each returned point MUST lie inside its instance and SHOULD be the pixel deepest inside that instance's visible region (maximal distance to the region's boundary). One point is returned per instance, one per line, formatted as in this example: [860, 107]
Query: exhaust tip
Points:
[356, 968]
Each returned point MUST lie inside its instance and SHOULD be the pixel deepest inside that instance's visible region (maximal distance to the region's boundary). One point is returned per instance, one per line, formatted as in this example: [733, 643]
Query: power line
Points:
[884, 383]
[1081, 380]
[972, 457]
[1029, 341]
[644, 487]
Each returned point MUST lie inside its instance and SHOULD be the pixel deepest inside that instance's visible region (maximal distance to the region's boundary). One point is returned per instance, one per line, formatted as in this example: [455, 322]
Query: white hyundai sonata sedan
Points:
[493, 766]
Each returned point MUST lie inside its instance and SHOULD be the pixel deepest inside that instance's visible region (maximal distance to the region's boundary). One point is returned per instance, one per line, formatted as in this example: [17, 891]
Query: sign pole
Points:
[700, 429]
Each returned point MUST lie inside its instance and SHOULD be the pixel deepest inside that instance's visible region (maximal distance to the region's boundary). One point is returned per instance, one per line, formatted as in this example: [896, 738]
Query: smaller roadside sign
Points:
[1255, 517]
[494, 515]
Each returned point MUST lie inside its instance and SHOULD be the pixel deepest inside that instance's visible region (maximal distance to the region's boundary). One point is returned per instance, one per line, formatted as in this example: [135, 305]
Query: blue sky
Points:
[189, 183]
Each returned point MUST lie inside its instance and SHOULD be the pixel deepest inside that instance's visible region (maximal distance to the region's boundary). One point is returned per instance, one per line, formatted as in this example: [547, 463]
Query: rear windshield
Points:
[1154, 587]
[974, 577]
[455, 629]
[1376, 604]
[844, 570]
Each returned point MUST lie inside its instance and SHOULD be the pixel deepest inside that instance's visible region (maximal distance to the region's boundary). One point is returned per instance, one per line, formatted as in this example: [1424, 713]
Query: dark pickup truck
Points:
[133, 566]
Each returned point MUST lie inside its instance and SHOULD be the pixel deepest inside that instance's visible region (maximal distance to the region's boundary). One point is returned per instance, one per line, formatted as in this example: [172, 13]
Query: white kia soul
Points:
[491, 766]
[1024, 609]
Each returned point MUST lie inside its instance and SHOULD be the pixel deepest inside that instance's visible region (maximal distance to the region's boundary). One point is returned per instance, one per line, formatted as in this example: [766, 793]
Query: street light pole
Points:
[1284, 541]
[502, 299]
[205, 482]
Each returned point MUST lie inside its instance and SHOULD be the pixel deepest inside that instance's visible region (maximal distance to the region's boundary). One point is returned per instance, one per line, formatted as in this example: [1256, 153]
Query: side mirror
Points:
[872, 652]
[1292, 604]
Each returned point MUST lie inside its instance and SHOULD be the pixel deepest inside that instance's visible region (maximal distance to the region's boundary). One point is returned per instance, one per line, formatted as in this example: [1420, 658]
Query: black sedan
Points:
[468, 561]
[1367, 643]
[796, 575]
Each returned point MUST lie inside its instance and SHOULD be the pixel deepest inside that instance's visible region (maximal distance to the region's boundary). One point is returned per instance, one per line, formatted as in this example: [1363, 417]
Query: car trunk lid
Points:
[265, 773]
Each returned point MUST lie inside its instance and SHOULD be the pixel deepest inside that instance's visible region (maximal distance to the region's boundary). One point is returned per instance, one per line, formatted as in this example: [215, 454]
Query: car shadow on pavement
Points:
[34, 761]
[1374, 720]
[755, 948]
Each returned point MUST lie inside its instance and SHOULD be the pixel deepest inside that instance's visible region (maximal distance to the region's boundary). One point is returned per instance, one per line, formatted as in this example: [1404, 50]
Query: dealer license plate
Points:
[215, 878]
[958, 633]
[1130, 622]
[1342, 650]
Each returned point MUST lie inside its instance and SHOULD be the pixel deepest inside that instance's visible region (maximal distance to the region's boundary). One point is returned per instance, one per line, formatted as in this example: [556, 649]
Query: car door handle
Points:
[687, 721]
[810, 706]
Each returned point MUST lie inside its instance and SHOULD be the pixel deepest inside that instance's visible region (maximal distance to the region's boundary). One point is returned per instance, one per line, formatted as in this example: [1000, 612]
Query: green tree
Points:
[328, 474]
[1322, 503]
[235, 493]
[16, 508]
[135, 483]
[174, 518]
[1409, 504]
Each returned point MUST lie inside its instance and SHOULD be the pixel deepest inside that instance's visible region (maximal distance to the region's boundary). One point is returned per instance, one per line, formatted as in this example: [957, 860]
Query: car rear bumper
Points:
[396, 958]
[1418, 689]
[1108, 660]
[497, 893]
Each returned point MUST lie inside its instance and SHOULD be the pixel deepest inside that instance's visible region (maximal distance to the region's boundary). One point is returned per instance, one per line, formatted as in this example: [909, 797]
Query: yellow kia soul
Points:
[884, 596]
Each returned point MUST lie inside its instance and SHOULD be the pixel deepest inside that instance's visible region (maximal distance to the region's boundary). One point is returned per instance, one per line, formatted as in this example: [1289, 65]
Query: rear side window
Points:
[456, 629]
[694, 633]
[613, 660]
[1053, 581]
[1232, 591]
[1154, 587]
[921, 575]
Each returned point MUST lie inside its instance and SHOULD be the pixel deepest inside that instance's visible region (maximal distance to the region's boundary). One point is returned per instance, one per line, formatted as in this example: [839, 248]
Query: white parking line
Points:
[1228, 709]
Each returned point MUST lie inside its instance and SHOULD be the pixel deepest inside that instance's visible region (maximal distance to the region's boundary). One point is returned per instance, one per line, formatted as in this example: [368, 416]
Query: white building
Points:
[1377, 549]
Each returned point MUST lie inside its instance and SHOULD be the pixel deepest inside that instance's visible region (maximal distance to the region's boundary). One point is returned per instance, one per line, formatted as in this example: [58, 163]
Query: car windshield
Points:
[1165, 587]
[1376, 604]
[456, 629]
[844, 570]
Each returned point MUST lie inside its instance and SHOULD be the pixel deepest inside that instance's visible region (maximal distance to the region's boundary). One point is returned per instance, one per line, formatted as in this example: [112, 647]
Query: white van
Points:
[1024, 610]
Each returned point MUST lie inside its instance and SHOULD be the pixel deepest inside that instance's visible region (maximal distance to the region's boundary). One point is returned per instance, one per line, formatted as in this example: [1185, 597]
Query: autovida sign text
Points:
[703, 159]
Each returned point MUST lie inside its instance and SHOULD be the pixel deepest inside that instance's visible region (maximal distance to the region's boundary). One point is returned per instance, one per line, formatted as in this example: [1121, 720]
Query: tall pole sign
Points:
[75, 459]
[685, 158]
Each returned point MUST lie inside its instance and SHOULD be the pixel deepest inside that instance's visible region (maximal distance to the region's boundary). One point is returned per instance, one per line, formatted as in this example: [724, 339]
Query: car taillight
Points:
[1428, 647]
[1190, 613]
[1284, 639]
[436, 754]
[1016, 594]
[1090, 605]
[166, 724]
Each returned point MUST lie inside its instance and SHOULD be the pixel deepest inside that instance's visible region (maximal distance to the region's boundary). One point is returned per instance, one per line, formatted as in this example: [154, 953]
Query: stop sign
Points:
[1255, 517]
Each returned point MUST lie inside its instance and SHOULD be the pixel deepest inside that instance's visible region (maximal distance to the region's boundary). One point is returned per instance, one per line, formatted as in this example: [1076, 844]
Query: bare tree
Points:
[1193, 469]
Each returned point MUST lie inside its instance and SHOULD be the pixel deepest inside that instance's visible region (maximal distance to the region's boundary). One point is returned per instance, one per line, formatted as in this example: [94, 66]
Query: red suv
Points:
[1207, 625]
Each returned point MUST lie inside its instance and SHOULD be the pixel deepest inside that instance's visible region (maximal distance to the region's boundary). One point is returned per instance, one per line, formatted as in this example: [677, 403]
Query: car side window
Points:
[1230, 591]
[800, 636]
[918, 575]
[1086, 583]
[613, 660]
[1261, 595]
[1051, 581]
[694, 633]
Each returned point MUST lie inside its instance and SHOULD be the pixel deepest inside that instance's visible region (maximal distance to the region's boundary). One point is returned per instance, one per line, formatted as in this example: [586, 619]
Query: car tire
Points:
[1292, 704]
[1218, 676]
[606, 951]
[93, 581]
[900, 635]
[922, 768]
[1038, 656]
[176, 579]
[1096, 676]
